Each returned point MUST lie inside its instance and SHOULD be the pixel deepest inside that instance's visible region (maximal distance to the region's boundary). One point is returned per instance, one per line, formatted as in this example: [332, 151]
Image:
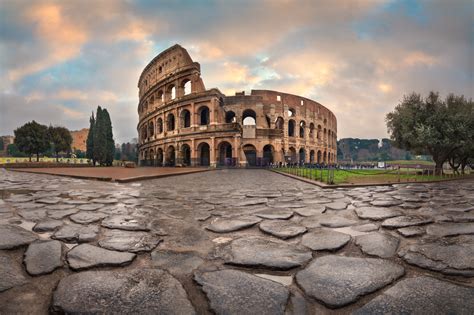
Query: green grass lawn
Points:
[411, 162]
[362, 176]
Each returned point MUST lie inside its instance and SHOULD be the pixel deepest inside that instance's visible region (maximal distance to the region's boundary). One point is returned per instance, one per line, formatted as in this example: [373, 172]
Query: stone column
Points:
[193, 153]
[212, 153]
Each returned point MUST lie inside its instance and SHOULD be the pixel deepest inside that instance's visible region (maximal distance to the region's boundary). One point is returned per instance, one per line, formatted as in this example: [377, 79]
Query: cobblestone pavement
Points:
[234, 242]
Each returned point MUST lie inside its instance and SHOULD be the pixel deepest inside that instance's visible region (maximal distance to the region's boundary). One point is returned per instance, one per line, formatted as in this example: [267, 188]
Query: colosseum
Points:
[181, 123]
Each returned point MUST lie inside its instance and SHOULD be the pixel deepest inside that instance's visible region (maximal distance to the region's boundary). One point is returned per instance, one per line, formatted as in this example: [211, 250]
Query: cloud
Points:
[60, 59]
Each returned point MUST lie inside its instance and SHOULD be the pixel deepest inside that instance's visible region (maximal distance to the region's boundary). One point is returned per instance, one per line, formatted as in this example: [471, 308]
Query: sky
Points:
[59, 60]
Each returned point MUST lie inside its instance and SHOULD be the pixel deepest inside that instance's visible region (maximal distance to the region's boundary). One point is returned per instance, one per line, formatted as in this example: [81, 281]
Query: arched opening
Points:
[291, 128]
[319, 157]
[186, 86]
[225, 154]
[311, 131]
[170, 156]
[268, 154]
[292, 158]
[146, 158]
[171, 92]
[302, 128]
[160, 96]
[318, 136]
[151, 129]
[186, 155]
[268, 121]
[325, 135]
[170, 122]
[311, 156]
[249, 118]
[324, 157]
[204, 116]
[302, 156]
[159, 125]
[279, 123]
[151, 154]
[159, 157]
[291, 112]
[204, 154]
[151, 102]
[144, 135]
[250, 154]
[230, 117]
[185, 119]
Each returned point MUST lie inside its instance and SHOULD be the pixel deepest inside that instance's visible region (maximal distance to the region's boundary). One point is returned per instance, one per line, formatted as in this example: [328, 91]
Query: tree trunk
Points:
[439, 167]
[30, 157]
[57, 157]
[37, 157]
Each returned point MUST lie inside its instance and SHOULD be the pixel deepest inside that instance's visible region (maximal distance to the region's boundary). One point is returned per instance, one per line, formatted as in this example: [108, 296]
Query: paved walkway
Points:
[233, 242]
[119, 174]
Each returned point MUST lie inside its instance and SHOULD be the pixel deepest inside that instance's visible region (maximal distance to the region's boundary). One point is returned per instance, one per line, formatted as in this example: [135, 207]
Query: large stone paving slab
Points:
[224, 225]
[455, 257]
[404, 221]
[282, 229]
[87, 256]
[177, 263]
[322, 239]
[129, 241]
[378, 244]
[11, 274]
[450, 229]
[137, 291]
[126, 222]
[337, 281]
[12, 236]
[237, 292]
[262, 252]
[422, 295]
[377, 213]
[43, 257]
[76, 233]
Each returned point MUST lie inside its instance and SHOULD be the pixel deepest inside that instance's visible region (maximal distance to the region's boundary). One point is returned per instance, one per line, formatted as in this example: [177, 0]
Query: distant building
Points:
[6, 140]
[79, 138]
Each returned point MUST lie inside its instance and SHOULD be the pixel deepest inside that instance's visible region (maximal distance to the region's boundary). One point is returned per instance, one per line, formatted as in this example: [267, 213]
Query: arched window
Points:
[291, 112]
[249, 118]
[204, 116]
[318, 136]
[185, 119]
[151, 129]
[279, 123]
[302, 129]
[268, 121]
[159, 125]
[170, 122]
[311, 131]
[171, 92]
[186, 86]
[230, 117]
[160, 96]
[291, 128]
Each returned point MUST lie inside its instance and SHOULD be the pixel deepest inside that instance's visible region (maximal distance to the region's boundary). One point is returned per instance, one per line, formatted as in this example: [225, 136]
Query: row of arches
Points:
[183, 155]
[168, 93]
[170, 122]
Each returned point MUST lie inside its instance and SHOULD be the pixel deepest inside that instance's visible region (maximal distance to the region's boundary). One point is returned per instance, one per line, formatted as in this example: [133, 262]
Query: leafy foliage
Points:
[32, 138]
[61, 139]
[431, 125]
[100, 141]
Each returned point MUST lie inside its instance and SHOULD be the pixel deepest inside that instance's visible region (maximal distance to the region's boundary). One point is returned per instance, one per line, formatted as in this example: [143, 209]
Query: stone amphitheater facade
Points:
[183, 123]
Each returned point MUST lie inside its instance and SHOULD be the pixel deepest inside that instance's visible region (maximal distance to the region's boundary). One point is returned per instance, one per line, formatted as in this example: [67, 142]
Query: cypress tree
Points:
[109, 138]
[100, 140]
[90, 140]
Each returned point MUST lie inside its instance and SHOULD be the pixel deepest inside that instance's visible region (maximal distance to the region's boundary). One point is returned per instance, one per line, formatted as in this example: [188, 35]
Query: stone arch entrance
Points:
[302, 156]
[292, 158]
[159, 157]
[268, 154]
[186, 155]
[225, 154]
[319, 157]
[170, 156]
[250, 154]
[311, 156]
[204, 154]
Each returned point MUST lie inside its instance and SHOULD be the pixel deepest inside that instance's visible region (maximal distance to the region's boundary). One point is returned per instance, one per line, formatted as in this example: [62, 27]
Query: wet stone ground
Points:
[234, 242]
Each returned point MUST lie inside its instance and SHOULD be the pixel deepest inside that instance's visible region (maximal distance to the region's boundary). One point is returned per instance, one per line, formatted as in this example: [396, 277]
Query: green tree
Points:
[100, 141]
[109, 137]
[90, 139]
[61, 140]
[12, 150]
[2, 144]
[428, 125]
[32, 138]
